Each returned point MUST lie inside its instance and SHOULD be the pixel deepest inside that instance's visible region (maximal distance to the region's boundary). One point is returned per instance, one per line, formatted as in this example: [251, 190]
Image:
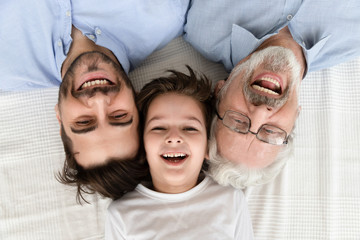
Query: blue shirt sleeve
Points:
[228, 31]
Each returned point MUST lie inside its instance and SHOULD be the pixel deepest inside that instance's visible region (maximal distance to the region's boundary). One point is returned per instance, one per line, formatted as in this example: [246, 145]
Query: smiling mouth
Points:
[174, 157]
[267, 85]
[95, 83]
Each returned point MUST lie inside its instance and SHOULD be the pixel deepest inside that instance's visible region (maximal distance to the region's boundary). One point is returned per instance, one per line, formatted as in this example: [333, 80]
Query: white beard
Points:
[275, 59]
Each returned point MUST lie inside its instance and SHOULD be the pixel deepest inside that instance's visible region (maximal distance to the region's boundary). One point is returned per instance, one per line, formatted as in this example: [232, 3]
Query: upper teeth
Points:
[174, 155]
[264, 89]
[277, 84]
[94, 82]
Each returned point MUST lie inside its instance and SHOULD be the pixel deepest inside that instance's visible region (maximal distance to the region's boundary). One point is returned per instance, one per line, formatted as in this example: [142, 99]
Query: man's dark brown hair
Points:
[112, 179]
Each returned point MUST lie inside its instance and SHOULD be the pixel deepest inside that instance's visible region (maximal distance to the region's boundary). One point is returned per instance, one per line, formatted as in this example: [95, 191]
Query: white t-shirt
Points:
[207, 211]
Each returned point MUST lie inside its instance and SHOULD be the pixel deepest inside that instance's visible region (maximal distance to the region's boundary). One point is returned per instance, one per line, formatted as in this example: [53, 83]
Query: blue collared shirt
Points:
[35, 36]
[228, 31]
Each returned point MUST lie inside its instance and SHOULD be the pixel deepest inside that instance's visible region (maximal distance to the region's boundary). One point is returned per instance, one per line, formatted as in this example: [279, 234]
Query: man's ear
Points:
[218, 86]
[298, 111]
[58, 116]
[58, 113]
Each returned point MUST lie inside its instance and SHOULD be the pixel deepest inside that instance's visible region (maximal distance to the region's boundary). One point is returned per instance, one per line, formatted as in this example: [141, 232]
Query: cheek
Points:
[147, 143]
[201, 147]
[230, 146]
[228, 149]
[223, 140]
[261, 158]
[205, 146]
[71, 108]
[133, 144]
[151, 143]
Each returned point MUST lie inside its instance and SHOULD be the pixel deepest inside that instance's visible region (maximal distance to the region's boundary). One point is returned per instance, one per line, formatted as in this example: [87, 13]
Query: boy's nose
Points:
[173, 138]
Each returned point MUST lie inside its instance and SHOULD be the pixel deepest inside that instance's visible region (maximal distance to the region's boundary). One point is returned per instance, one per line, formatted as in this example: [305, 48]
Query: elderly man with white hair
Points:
[268, 47]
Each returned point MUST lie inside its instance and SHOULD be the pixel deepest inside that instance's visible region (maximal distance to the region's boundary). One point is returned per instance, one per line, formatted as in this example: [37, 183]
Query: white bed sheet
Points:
[317, 195]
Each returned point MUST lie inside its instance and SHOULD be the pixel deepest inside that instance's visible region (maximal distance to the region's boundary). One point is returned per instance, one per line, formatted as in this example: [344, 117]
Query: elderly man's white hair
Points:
[240, 176]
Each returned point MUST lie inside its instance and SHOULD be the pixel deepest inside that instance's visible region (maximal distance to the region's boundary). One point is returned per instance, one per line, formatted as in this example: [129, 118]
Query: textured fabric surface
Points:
[33, 205]
[317, 195]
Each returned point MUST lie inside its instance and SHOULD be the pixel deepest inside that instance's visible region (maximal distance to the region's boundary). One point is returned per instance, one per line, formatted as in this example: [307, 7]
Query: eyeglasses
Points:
[240, 123]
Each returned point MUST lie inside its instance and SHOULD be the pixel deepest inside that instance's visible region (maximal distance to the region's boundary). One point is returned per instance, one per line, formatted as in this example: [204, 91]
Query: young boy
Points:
[180, 202]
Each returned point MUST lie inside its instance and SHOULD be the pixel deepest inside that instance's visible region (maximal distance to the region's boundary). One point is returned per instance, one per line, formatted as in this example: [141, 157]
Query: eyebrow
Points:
[92, 128]
[187, 118]
[122, 124]
[84, 130]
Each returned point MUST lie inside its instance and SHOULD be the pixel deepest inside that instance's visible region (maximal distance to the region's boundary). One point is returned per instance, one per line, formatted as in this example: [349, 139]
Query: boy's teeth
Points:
[174, 155]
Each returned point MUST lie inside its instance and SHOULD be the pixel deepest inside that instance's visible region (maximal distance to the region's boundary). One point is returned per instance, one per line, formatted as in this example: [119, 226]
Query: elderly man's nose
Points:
[269, 108]
[261, 109]
[259, 115]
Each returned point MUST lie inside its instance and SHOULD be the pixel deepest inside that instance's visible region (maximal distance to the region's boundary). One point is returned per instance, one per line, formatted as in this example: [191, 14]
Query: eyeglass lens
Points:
[241, 124]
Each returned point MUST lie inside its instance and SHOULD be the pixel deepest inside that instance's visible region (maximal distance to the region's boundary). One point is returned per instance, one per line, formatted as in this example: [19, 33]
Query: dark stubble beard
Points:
[92, 61]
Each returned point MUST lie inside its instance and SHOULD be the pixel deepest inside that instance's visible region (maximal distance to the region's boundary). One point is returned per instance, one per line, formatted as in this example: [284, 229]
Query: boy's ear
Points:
[207, 151]
[218, 86]
[207, 156]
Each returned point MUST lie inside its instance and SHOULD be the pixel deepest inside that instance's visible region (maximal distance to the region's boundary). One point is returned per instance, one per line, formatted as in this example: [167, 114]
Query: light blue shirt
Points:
[227, 31]
[35, 35]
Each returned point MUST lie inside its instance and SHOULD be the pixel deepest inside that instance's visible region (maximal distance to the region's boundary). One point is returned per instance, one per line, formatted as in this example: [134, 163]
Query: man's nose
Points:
[99, 99]
[262, 107]
[259, 115]
[173, 137]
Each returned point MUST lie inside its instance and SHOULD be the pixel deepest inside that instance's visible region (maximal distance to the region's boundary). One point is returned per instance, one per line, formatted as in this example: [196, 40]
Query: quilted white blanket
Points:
[317, 195]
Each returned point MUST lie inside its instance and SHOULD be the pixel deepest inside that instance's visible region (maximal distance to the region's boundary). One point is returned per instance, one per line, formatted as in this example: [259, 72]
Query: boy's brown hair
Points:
[196, 87]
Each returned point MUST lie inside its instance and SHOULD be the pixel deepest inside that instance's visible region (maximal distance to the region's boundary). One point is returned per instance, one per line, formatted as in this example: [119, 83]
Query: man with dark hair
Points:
[88, 47]
[269, 46]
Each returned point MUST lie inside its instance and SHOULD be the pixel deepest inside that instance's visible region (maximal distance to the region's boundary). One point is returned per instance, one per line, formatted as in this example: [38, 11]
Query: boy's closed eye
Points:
[190, 129]
[158, 128]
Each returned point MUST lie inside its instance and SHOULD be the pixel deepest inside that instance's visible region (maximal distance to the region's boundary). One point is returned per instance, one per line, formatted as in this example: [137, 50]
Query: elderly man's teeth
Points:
[277, 84]
[262, 89]
[95, 82]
